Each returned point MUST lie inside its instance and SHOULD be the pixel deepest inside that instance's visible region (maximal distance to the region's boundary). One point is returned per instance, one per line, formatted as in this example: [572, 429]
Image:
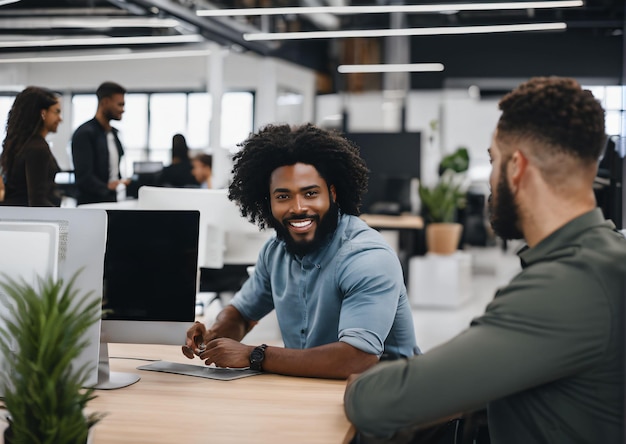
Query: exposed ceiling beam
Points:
[222, 32]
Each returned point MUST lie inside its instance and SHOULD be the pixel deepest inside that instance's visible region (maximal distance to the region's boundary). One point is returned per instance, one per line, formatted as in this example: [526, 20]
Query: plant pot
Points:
[443, 238]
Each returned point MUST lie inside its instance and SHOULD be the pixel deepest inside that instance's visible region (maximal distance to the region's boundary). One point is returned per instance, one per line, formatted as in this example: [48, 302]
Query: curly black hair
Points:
[336, 159]
[557, 112]
[24, 121]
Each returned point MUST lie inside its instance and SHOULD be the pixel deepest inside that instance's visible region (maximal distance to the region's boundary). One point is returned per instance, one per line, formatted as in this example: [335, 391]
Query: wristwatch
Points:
[257, 356]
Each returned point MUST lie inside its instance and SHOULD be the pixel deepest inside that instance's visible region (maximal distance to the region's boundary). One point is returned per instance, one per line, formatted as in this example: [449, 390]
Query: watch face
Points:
[256, 355]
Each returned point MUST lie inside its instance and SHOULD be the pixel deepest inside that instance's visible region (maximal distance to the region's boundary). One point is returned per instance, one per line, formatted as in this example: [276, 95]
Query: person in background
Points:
[1, 184]
[336, 285]
[97, 150]
[202, 169]
[28, 165]
[547, 356]
[178, 173]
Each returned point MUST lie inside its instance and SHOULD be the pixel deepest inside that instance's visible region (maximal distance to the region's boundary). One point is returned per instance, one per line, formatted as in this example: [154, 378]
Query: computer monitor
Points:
[226, 237]
[391, 157]
[58, 242]
[147, 167]
[150, 281]
[144, 173]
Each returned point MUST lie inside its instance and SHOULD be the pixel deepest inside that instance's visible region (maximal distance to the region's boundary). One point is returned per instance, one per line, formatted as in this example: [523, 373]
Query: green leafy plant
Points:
[44, 393]
[442, 200]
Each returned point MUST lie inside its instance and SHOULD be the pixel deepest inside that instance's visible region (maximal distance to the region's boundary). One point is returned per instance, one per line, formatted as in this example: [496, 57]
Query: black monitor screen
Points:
[150, 265]
[393, 160]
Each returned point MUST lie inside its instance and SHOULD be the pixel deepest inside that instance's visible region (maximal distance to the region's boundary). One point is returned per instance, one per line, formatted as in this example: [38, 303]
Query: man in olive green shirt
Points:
[547, 356]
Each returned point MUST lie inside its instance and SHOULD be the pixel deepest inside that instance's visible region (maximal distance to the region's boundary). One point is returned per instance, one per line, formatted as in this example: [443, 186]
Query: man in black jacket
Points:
[96, 149]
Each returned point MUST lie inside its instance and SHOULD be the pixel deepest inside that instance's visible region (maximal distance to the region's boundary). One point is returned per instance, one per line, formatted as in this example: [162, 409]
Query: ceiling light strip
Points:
[447, 30]
[299, 10]
[390, 67]
[107, 57]
[103, 41]
[85, 22]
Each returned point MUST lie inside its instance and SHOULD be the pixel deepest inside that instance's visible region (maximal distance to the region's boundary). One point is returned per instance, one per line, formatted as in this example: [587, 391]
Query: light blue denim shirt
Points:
[350, 290]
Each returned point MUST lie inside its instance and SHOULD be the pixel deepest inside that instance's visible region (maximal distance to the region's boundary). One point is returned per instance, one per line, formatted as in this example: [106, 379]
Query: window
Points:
[237, 118]
[150, 121]
[5, 105]
[613, 100]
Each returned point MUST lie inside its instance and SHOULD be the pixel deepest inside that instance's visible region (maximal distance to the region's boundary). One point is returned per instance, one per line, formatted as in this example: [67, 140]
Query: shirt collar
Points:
[562, 240]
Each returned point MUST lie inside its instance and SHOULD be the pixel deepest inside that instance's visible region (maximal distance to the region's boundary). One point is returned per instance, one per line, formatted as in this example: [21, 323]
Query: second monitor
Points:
[150, 282]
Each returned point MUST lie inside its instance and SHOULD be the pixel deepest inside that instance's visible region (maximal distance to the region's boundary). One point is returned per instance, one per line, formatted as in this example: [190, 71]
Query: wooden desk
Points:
[403, 221]
[171, 409]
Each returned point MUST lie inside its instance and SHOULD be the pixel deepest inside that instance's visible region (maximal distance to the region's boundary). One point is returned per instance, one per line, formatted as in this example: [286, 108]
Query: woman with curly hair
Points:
[336, 285]
[28, 164]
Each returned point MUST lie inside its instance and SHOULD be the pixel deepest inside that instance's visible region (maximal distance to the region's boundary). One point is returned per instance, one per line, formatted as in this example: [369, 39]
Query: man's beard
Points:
[503, 211]
[325, 226]
[110, 116]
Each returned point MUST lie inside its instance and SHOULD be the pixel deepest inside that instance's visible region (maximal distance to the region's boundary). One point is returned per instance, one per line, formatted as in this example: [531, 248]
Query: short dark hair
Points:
[108, 89]
[205, 159]
[335, 158]
[556, 112]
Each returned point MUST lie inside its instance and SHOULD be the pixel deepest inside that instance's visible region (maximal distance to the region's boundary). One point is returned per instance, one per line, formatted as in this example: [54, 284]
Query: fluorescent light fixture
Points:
[127, 55]
[7, 2]
[86, 22]
[446, 30]
[402, 67]
[102, 41]
[388, 8]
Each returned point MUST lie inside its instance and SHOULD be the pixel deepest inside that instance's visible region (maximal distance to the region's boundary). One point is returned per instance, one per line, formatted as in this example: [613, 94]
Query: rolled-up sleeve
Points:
[371, 281]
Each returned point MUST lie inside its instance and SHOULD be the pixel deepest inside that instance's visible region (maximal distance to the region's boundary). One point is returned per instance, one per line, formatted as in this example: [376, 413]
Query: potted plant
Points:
[43, 331]
[441, 201]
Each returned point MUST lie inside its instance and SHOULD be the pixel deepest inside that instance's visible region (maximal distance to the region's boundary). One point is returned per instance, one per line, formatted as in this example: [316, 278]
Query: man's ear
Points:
[517, 167]
[333, 192]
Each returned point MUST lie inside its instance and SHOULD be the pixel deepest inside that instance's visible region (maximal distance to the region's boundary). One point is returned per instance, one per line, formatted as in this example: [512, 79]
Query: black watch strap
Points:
[257, 356]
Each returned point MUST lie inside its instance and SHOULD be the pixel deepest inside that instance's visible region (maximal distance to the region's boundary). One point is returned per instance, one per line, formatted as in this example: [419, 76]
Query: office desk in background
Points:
[175, 409]
[409, 241]
[387, 222]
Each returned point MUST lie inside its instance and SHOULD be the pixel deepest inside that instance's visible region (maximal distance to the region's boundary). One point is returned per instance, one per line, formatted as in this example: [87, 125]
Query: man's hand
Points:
[225, 352]
[352, 378]
[230, 326]
[197, 338]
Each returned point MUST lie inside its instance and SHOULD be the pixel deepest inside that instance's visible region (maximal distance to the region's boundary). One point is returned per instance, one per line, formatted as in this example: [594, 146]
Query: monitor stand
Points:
[108, 380]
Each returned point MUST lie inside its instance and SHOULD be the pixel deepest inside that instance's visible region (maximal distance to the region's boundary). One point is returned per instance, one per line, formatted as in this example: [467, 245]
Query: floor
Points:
[491, 267]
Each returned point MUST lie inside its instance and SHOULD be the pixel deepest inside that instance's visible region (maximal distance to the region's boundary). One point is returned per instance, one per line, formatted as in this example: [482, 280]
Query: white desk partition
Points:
[225, 236]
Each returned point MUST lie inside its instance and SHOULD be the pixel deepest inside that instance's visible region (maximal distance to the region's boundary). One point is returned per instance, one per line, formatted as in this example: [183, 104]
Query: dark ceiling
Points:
[592, 46]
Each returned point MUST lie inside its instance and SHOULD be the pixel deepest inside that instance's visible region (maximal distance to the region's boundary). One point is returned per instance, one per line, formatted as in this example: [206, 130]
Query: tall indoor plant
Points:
[441, 201]
[43, 331]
